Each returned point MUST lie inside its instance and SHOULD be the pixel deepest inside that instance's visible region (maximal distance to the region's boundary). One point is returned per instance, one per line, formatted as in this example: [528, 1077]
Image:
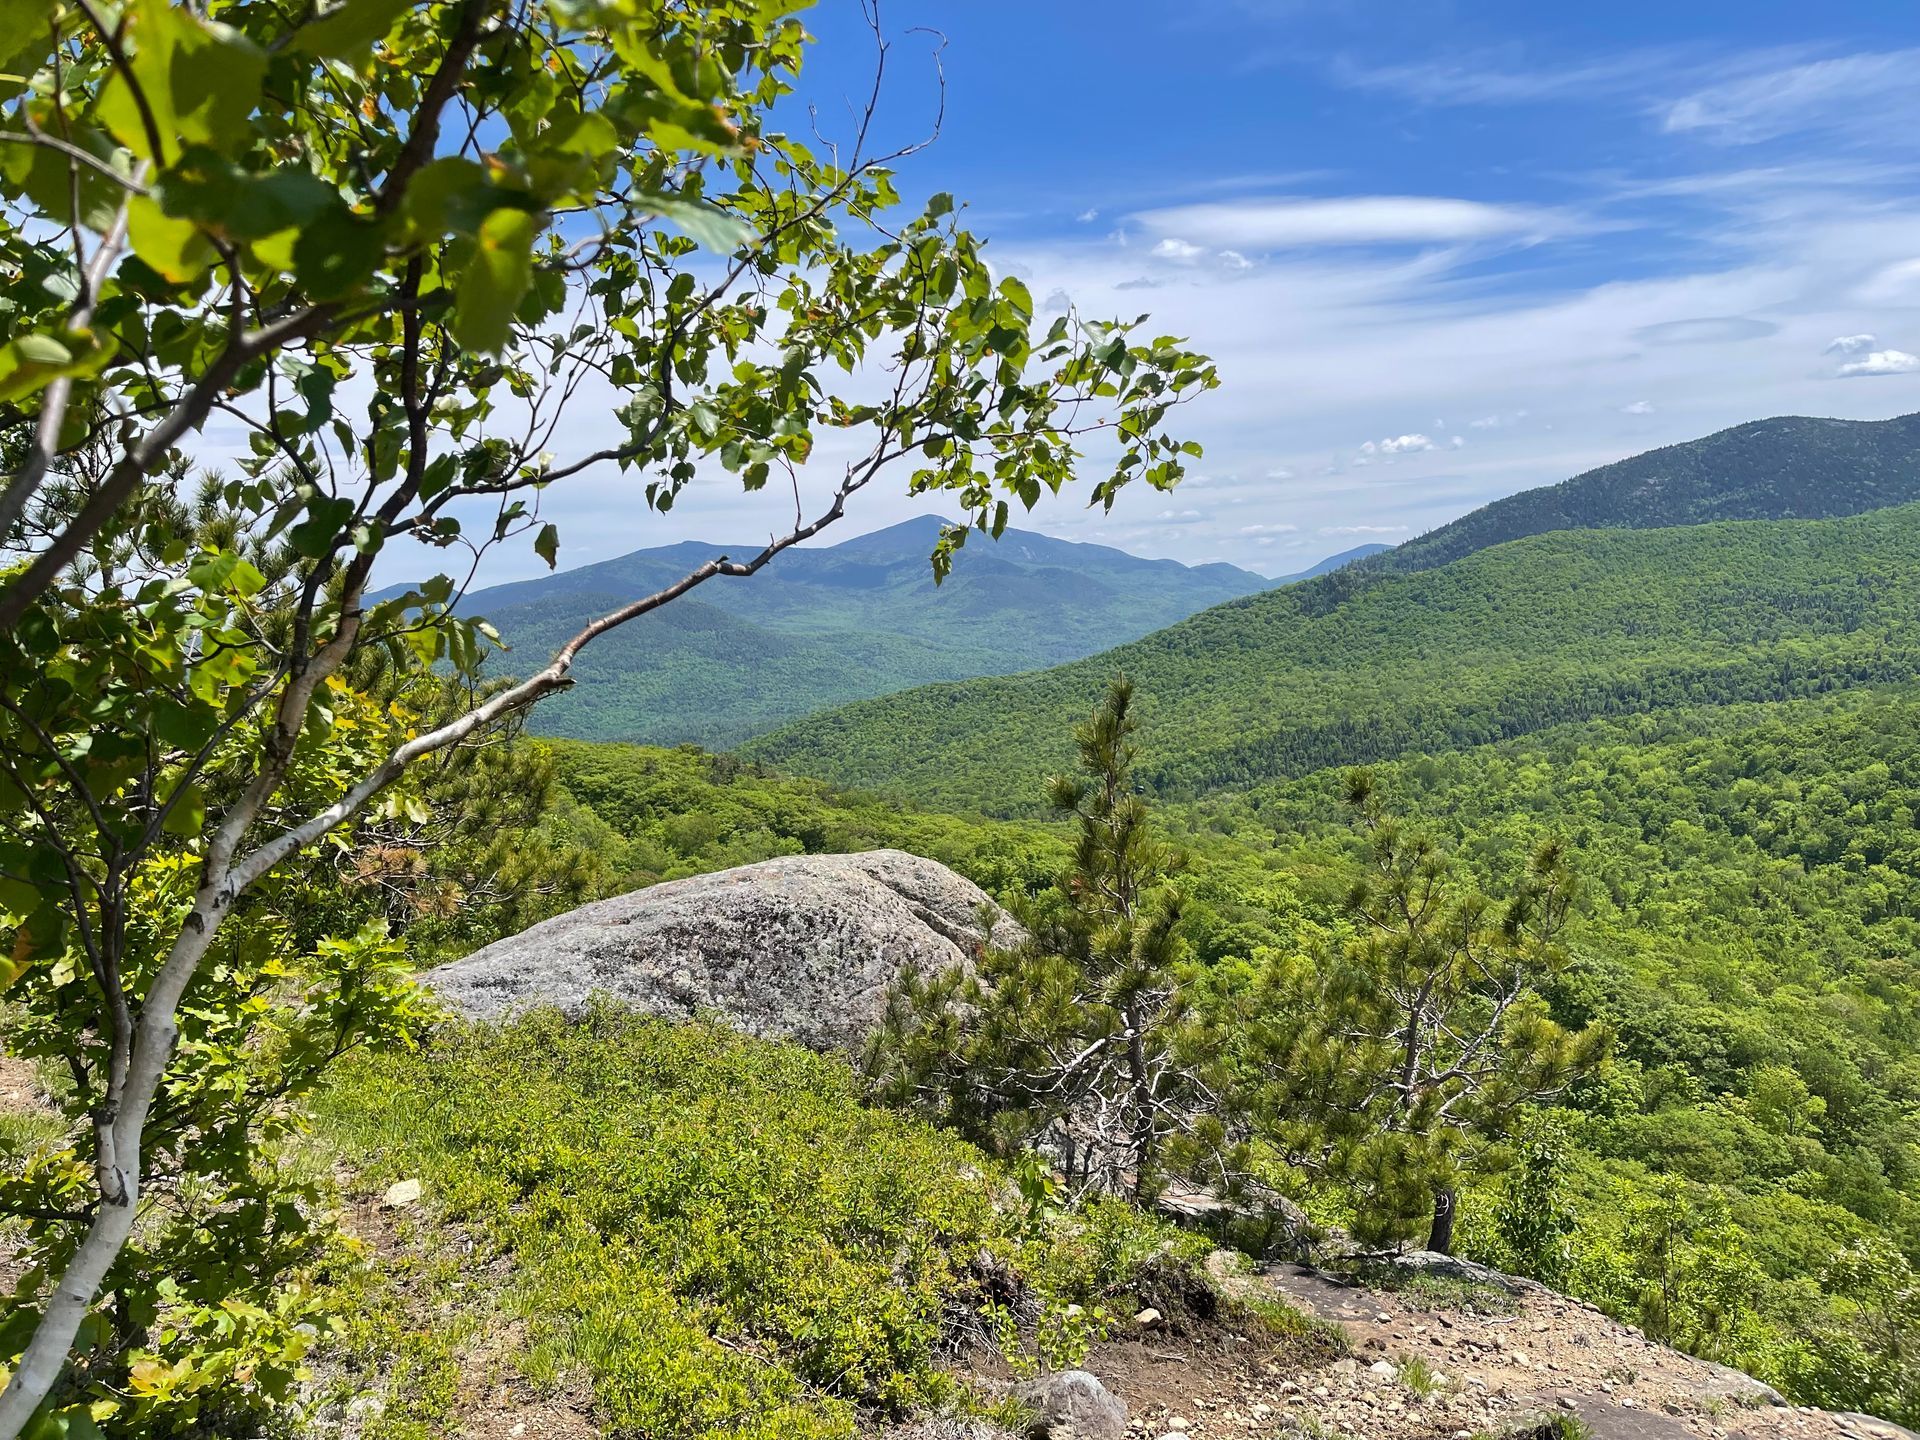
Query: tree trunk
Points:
[1142, 1086]
[1445, 1207]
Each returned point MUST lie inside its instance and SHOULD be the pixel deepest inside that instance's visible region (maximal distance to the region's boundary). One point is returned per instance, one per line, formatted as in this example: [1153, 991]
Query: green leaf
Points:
[34, 361]
[243, 206]
[337, 255]
[496, 277]
[49, 179]
[25, 40]
[348, 31]
[714, 229]
[174, 248]
[453, 196]
[317, 535]
[547, 544]
[188, 817]
[199, 81]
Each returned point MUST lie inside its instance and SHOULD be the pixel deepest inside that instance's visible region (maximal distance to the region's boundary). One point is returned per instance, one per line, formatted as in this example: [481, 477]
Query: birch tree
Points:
[407, 251]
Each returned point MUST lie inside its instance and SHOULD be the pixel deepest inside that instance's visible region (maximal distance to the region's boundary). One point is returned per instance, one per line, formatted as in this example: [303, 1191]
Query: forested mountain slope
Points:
[1792, 467]
[820, 627]
[1537, 632]
[1750, 887]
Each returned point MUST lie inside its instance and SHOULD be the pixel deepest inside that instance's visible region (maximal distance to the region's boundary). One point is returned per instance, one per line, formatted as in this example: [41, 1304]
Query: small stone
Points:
[1382, 1318]
[1176, 1422]
[1072, 1403]
[402, 1193]
[1148, 1318]
[1384, 1368]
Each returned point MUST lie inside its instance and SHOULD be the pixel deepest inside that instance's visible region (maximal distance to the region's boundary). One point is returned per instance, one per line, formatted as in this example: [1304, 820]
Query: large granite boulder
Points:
[800, 948]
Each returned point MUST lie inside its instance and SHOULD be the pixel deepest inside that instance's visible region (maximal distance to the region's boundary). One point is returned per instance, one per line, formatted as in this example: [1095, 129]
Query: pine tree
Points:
[1075, 1039]
[1415, 1044]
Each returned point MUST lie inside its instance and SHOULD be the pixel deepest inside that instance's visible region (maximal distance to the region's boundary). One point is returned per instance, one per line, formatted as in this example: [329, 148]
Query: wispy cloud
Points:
[1505, 77]
[1840, 93]
[1268, 223]
[1737, 98]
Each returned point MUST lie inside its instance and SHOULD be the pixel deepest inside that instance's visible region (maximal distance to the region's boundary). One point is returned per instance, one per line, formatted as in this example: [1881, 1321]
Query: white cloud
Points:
[1087, 216]
[1505, 78]
[1843, 92]
[1318, 345]
[1851, 344]
[1363, 529]
[1174, 248]
[1398, 445]
[1638, 407]
[1268, 529]
[1280, 473]
[1895, 284]
[1879, 362]
[1234, 260]
[1459, 441]
[1263, 224]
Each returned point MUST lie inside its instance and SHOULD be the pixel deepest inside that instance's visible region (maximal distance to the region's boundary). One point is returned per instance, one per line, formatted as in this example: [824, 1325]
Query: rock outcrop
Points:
[799, 948]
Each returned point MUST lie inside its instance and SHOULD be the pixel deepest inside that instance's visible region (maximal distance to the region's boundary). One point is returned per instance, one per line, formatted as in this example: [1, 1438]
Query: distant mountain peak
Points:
[1788, 467]
[826, 624]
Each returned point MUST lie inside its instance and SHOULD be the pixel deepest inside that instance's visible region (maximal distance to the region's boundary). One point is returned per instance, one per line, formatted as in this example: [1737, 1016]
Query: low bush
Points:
[715, 1234]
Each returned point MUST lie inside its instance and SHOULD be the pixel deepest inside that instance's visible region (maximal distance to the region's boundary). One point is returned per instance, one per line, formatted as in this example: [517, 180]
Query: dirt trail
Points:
[1448, 1374]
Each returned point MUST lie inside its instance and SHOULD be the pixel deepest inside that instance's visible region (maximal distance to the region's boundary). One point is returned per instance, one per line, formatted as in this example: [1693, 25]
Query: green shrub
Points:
[713, 1231]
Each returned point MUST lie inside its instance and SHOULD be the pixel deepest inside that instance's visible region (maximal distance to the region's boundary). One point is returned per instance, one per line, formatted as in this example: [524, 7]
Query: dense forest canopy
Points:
[1358, 666]
[1746, 930]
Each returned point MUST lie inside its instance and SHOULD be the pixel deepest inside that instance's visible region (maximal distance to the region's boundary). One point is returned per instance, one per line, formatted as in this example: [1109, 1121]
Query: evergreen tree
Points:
[1075, 1038]
[1412, 1047]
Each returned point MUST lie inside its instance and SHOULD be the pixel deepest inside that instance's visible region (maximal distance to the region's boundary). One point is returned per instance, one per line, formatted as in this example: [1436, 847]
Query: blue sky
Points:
[1442, 252]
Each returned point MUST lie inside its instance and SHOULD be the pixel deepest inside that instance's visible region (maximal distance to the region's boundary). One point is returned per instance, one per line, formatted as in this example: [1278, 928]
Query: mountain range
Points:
[1601, 596]
[823, 626]
[1792, 467]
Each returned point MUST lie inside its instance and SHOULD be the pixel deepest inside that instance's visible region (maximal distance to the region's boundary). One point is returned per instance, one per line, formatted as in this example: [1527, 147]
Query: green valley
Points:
[821, 627]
